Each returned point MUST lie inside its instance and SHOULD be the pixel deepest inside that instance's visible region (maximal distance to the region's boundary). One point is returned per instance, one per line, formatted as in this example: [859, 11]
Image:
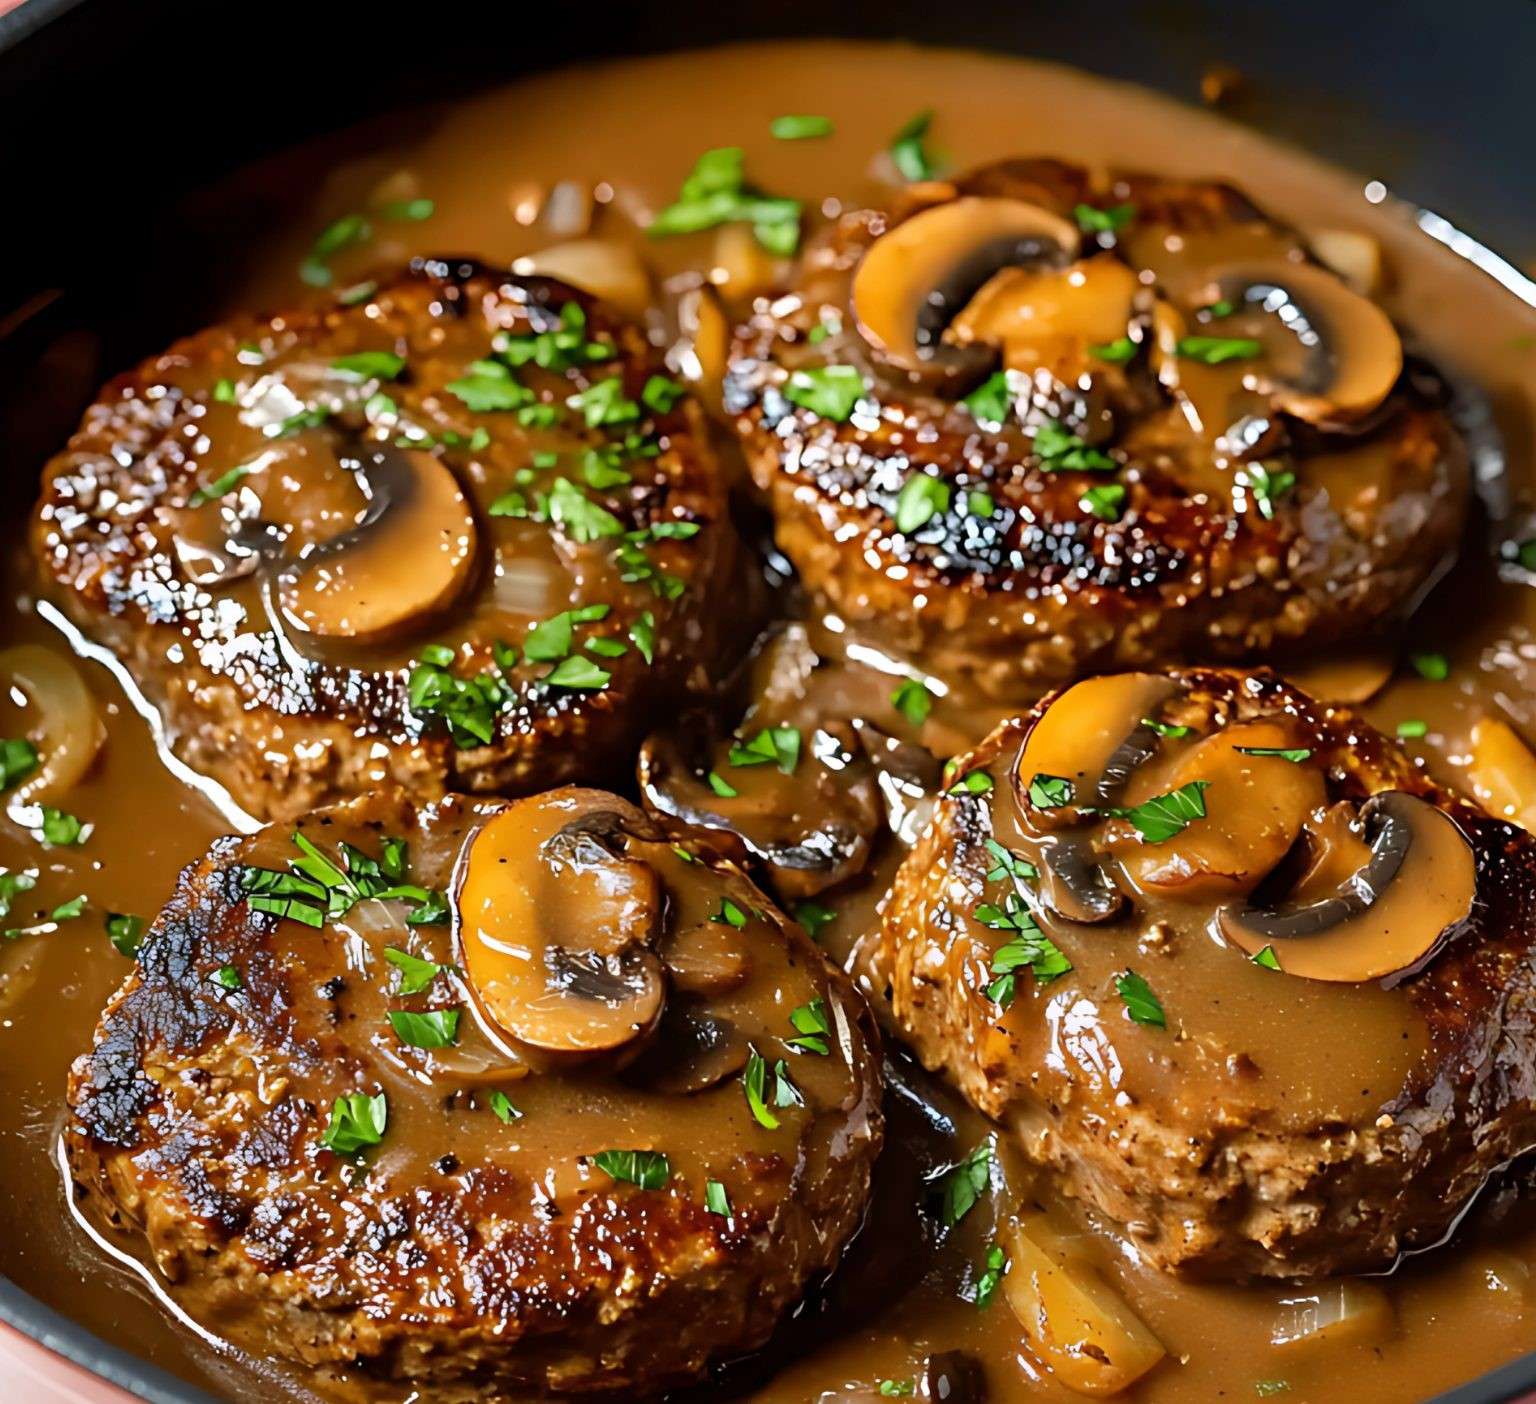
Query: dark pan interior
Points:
[113, 110]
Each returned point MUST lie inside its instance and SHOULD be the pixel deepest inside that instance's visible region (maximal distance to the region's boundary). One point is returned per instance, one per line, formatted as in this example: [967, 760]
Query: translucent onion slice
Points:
[67, 731]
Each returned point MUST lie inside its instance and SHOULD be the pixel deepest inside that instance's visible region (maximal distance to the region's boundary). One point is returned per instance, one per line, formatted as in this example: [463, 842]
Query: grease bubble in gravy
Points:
[594, 153]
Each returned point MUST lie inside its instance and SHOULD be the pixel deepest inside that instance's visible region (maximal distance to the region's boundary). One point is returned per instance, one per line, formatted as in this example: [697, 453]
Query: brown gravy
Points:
[633, 130]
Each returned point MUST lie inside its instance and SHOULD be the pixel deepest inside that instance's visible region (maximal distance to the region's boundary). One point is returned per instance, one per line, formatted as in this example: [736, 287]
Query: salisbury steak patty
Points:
[1029, 425]
[1230, 965]
[463, 534]
[601, 1132]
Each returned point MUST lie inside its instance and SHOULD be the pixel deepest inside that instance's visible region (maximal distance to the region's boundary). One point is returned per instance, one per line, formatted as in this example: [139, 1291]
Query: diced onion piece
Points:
[68, 731]
[1338, 1313]
[1503, 772]
[1075, 1322]
[602, 267]
[1354, 256]
[1353, 679]
[742, 266]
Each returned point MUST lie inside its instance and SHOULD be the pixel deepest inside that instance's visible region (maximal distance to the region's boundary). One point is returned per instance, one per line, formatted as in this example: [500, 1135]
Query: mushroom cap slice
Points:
[556, 925]
[916, 277]
[406, 560]
[1333, 355]
[1416, 888]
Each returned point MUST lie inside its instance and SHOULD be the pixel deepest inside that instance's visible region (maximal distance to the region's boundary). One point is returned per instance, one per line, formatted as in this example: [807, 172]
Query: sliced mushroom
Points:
[707, 959]
[812, 828]
[603, 267]
[1503, 772]
[1094, 736]
[1073, 883]
[1332, 355]
[556, 925]
[1415, 890]
[692, 1052]
[407, 559]
[1255, 807]
[916, 277]
[67, 726]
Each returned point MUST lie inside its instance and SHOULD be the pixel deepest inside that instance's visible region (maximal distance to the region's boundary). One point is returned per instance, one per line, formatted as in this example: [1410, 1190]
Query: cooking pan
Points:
[111, 111]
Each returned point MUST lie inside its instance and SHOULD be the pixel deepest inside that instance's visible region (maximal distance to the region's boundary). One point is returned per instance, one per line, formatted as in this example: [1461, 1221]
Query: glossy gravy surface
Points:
[632, 131]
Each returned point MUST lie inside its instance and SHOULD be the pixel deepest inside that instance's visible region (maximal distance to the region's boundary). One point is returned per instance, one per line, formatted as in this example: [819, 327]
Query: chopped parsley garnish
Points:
[829, 391]
[1009, 864]
[370, 365]
[18, 759]
[12, 885]
[126, 933]
[222, 484]
[991, 401]
[978, 782]
[1036, 952]
[814, 917]
[490, 388]
[642, 633]
[604, 402]
[754, 1081]
[1267, 958]
[913, 700]
[1432, 667]
[1140, 1003]
[896, 1389]
[415, 210]
[829, 325]
[340, 234]
[1104, 500]
[1411, 729]
[661, 394]
[61, 830]
[1525, 553]
[1165, 728]
[227, 977]
[1051, 791]
[437, 1029]
[773, 745]
[1294, 754]
[716, 192]
[1266, 486]
[1062, 451]
[964, 1183]
[730, 914]
[811, 1028]
[800, 126]
[922, 498]
[1217, 350]
[648, 1169]
[311, 418]
[785, 1093]
[994, 1266]
[357, 1122]
[316, 890]
[1163, 816]
[1092, 220]
[224, 391]
[468, 706]
[716, 1200]
[1117, 352]
[501, 1105]
[908, 152]
[416, 974]
[719, 785]
[578, 516]
[978, 503]
[68, 911]
[564, 346]
[579, 675]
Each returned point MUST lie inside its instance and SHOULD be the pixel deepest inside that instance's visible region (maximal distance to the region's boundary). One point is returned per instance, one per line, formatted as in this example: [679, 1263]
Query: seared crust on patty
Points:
[479, 1248]
[1235, 1141]
[1027, 584]
[150, 534]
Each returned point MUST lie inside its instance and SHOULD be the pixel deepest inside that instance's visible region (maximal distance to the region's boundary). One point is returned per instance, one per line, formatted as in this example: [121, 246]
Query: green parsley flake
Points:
[730, 914]
[978, 782]
[1104, 500]
[1432, 667]
[913, 700]
[490, 388]
[1009, 864]
[832, 392]
[1217, 350]
[921, 499]
[1061, 451]
[754, 1084]
[907, 150]
[1116, 353]
[1267, 958]
[126, 933]
[991, 401]
[1111, 221]
[1164, 816]
[227, 977]
[1051, 791]
[501, 1105]
[68, 911]
[1266, 486]
[604, 403]
[1140, 1003]
[811, 1028]
[648, 1169]
[437, 1029]
[579, 675]
[800, 126]
[370, 365]
[963, 1183]
[357, 1122]
[1294, 754]
[995, 1265]
[719, 785]
[578, 516]
[18, 759]
[1412, 729]
[776, 745]
[1165, 728]
[814, 917]
[224, 391]
[716, 1200]
[222, 484]
[61, 830]
[642, 633]
[716, 192]
[416, 974]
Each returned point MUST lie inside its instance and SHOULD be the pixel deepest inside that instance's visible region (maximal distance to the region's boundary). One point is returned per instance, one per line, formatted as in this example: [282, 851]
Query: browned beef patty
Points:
[1156, 433]
[323, 542]
[466, 1225]
[1246, 1081]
